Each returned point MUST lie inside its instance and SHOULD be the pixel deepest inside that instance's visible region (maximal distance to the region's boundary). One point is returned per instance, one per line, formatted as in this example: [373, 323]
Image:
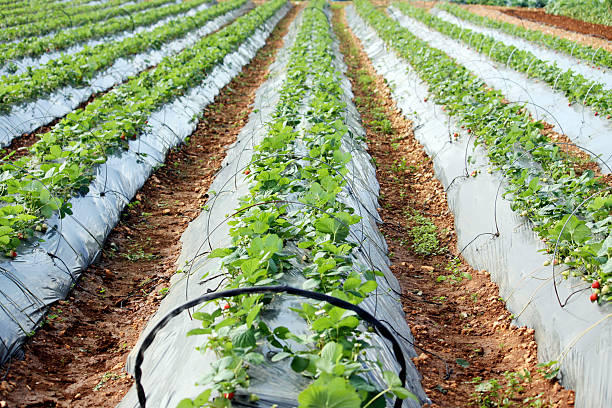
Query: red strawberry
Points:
[456, 135]
[13, 254]
[425, 100]
[595, 285]
[227, 306]
[247, 172]
[596, 113]
[20, 235]
[122, 137]
[469, 130]
[228, 395]
[594, 297]
[608, 117]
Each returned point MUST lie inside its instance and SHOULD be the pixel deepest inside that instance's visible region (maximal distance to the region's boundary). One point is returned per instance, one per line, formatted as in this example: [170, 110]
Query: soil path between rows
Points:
[77, 358]
[460, 324]
[497, 13]
[570, 29]
[567, 23]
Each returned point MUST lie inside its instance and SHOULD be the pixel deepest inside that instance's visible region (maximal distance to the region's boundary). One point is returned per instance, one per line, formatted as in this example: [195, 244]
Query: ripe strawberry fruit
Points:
[596, 113]
[595, 285]
[247, 172]
[228, 395]
[594, 297]
[13, 254]
[227, 306]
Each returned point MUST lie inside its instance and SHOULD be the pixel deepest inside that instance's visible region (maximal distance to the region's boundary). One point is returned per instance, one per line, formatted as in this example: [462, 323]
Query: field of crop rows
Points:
[313, 204]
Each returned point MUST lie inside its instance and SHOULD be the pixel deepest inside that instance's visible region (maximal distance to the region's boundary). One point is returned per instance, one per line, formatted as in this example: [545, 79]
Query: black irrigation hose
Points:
[364, 314]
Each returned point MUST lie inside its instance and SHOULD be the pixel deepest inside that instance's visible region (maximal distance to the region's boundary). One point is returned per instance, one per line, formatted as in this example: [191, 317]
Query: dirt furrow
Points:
[461, 326]
[77, 358]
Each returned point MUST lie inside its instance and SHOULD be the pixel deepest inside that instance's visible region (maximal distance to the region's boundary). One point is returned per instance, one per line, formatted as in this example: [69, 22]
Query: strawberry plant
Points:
[37, 13]
[78, 69]
[49, 25]
[597, 56]
[36, 46]
[294, 218]
[575, 87]
[569, 211]
[62, 163]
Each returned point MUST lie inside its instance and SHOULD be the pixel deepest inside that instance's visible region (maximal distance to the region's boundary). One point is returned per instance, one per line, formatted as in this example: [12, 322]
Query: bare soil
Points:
[461, 317]
[567, 23]
[77, 358]
[497, 13]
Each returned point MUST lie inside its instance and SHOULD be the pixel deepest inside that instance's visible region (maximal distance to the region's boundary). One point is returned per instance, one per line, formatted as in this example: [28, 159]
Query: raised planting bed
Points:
[587, 130]
[82, 197]
[493, 229]
[39, 96]
[294, 205]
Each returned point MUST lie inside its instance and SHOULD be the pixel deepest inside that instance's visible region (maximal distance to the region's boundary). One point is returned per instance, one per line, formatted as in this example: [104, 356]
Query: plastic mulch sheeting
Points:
[18, 66]
[30, 116]
[44, 273]
[579, 335]
[576, 121]
[172, 365]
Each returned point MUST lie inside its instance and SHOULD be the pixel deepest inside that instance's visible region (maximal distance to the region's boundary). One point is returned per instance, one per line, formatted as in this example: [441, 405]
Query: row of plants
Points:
[9, 7]
[78, 69]
[61, 20]
[36, 46]
[568, 207]
[593, 11]
[62, 164]
[41, 12]
[511, 3]
[596, 56]
[575, 87]
[272, 237]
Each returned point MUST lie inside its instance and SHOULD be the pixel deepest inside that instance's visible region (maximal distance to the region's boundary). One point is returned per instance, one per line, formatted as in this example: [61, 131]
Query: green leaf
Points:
[202, 398]
[244, 339]
[250, 265]
[260, 227]
[185, 403]
[332, 352]
[335, 228]
[253, 314]
[402, 393]
[280, 356]
[5, 230]
[329, 394]
[299, 364]
[220, 253]
[195, 332]
[254, 358]
[351, 283]
[322, 323]
[392, 379]
[368, 286]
